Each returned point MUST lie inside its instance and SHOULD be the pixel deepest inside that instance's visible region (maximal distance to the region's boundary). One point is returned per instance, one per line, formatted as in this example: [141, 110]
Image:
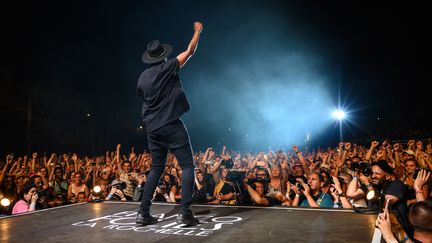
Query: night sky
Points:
[266, 73]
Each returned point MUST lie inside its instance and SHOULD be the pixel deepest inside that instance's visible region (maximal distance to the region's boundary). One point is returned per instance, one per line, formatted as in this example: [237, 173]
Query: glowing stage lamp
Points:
[95, 195]
[97, 189]
[5, 202]
[370, 194]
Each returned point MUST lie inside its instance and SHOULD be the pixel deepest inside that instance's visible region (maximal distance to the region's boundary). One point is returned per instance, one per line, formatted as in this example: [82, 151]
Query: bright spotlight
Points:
[5, 202]
[97, 189]
[339, 114]
[371, 194]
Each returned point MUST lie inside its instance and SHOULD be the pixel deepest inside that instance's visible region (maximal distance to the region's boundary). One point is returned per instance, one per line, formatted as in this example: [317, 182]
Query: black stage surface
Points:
[115, 222]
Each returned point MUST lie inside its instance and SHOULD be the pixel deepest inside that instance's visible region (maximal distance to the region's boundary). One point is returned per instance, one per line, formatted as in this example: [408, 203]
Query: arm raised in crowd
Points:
[347, 148]
[206, 154]
[353, 190]
[50, 163]
[302, 160]
[368, 156]
[117, 156]
[340, 196]
[390, 157]
[33, 163]
[421, 180]
[193, 44]
[396, 149]
[256, 197]
[75, 161]
[9, 159]
[51, 174]
[214, 170]
[25, 161]
[340, 150]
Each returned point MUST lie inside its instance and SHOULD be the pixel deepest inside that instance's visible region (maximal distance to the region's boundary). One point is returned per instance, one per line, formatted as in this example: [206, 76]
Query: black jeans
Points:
[174, 137]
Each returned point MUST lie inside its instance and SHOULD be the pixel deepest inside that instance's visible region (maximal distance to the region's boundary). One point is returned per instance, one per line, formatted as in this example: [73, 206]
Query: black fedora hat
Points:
[156, 52]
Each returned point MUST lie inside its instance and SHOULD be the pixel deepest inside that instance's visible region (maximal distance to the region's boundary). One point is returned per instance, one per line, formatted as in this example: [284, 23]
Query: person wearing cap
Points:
[164, 102]
[391, 189]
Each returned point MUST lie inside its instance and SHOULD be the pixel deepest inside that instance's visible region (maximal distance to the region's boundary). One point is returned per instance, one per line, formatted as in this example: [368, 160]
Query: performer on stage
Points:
[163, 104]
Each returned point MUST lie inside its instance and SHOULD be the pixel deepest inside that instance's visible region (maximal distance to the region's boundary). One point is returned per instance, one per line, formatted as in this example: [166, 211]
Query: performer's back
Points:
[163, 97]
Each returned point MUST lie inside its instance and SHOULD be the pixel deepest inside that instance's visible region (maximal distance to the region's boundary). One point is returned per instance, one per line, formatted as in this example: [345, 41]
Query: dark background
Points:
[69, 69]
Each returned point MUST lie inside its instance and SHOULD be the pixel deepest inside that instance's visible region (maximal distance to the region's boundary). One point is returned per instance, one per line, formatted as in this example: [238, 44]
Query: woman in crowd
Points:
[408, 179]
[77, 186]
[28, 199]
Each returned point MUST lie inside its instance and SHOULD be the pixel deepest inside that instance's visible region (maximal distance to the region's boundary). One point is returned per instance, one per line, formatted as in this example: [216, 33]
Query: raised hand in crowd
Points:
[421, 180]
[384, 224]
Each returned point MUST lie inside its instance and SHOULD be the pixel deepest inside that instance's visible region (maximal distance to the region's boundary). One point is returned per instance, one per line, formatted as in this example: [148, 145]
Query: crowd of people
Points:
[391, 178]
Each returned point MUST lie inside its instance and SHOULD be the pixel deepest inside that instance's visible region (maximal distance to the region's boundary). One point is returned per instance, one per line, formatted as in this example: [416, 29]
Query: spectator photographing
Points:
[312, 196]
[28, 199]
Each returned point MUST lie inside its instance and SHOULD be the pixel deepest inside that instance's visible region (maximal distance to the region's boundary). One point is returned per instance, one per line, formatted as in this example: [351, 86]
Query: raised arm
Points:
[421, 180]
[9, 159]
[184, 56]
[302, 160]
[374, 144]
[255, 196]
[119, 168]
[33, 163]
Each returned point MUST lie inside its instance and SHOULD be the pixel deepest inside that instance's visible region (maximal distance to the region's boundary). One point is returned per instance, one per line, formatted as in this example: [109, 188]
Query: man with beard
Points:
[391, 189]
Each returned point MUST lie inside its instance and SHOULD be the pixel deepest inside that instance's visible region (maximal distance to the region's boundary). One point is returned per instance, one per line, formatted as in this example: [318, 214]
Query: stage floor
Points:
[115, 222]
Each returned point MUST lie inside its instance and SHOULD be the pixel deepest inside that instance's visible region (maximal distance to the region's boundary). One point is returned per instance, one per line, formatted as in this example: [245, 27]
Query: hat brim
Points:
[150, 60]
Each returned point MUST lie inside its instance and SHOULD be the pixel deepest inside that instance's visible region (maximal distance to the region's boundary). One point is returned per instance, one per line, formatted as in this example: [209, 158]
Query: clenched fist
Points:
[198, 26]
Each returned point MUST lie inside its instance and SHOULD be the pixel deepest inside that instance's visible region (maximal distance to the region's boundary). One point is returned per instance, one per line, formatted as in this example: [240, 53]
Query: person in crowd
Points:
[420, 218]
[257, 190]
[57, 181]
[28, 199]
[311, 194]
[81, 197]
[116, 191]
[411, 171]
[200, 194]
[276, 183]
[223, 192]
[393, 190]
[142, 176]
[8, 189]
[166, 189]
[126, 175]
[77, 186]
[357, 189]
[340, 199]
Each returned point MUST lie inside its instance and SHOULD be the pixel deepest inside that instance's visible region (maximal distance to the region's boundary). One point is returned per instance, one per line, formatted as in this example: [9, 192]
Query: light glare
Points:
[339, 114]
[5, 202]
[97, 189]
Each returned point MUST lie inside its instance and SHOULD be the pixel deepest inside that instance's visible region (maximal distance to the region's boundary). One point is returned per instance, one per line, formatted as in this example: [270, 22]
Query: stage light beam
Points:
[339, 114]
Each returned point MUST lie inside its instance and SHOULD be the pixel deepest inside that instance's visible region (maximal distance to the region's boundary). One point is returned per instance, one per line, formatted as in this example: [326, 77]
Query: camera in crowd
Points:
[41, 193]
[161, 186]
[341, 180]
[121, 185]
[292, 179]
[299, 185]
[362, 167]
